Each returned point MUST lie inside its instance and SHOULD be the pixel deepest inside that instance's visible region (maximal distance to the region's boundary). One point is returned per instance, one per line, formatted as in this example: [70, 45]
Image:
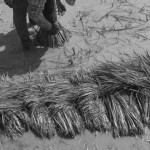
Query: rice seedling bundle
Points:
[62, 36]
[66, 119]
[110, 97]
[91, 109]
[40, 122]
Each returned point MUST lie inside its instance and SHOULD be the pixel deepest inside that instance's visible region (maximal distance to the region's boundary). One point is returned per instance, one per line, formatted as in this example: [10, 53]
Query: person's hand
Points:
[54, 29]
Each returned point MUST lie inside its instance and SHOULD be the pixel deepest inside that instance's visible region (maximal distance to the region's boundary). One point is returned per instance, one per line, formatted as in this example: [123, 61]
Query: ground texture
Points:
[102, 30]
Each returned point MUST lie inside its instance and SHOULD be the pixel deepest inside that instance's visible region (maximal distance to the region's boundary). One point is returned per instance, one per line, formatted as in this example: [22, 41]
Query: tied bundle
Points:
[44, 38]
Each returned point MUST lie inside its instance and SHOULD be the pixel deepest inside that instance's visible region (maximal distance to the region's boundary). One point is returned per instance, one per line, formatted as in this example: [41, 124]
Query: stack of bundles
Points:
[51, 10]
[109, 97]
[39, 107]
[121, 93]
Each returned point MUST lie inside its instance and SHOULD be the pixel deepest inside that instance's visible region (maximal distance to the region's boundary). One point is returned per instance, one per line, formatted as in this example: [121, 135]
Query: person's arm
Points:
[35, 12]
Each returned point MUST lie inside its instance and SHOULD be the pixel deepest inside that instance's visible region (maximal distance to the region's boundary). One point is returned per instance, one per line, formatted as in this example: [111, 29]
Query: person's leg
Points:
[20, 21]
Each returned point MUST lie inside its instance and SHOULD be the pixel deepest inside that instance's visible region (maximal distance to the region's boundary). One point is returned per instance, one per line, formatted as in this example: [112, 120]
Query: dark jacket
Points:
[35, 12]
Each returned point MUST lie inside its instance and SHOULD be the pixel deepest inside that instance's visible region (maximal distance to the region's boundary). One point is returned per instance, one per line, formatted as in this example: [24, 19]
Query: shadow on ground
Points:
[13, 60]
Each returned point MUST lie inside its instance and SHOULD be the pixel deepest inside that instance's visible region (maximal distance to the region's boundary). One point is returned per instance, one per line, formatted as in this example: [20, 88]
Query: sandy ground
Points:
[102, 30]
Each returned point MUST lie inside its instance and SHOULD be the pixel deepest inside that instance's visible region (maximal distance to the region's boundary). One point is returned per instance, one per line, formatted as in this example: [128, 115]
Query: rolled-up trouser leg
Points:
[20, 21]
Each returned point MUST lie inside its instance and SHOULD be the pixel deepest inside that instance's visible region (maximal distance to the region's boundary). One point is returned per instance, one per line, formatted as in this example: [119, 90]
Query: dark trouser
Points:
[20, 21]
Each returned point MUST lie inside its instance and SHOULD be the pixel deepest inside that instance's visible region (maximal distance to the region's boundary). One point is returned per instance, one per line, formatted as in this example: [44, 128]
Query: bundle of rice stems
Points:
[112, 96]
[86, 101]
[124, 88]
[40, 122]
[44, 38]
[14, 118]
[67, 121]
[13, 123]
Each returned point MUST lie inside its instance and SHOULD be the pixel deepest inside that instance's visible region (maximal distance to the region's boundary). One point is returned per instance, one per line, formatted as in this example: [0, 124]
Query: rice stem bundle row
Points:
[111, 96]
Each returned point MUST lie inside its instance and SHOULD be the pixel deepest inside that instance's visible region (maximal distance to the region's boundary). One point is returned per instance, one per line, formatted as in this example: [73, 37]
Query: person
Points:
[34, 8]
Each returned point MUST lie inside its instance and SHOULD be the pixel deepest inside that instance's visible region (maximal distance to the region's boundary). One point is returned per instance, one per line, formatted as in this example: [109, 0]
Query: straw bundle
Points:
[110, 97]
[88, 104]
[62, 36]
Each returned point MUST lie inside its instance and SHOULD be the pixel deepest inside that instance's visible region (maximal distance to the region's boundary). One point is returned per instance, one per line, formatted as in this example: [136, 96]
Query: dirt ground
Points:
[102, 30]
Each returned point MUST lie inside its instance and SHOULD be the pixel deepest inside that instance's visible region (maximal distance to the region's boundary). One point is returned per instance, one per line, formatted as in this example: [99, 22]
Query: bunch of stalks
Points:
[62, 36]
[111, 96]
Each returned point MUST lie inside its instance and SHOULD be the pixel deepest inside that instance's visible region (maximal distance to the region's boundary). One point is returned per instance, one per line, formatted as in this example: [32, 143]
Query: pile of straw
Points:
[110, 97]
